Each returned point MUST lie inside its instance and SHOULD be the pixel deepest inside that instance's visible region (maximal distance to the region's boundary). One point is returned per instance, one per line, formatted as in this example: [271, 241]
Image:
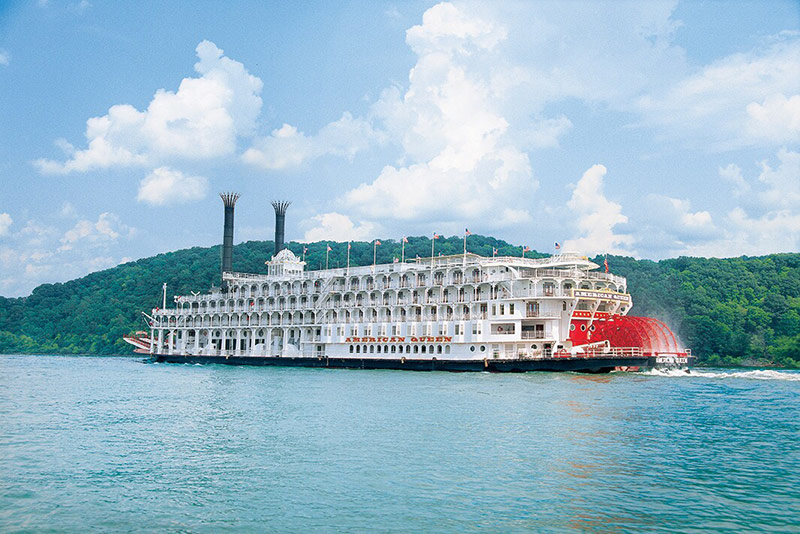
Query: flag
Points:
[252, 303]
[349, 245]
[467, 232]
[305, 249]
[405, 239]
[377, 242]
[329, 248]
[435, 235]
[526, 249]
[396, 260]
[494, 251]
[558, 245]
[605, 262]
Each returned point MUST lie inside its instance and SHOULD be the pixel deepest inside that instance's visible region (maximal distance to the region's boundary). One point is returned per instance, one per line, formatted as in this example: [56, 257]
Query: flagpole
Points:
[374, 254]
[433, 241]
[523, 251]
[348, 258]
[327, 252]
[403, 250]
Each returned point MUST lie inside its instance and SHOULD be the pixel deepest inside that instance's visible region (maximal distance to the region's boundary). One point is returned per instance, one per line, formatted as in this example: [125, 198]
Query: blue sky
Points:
[652, 129]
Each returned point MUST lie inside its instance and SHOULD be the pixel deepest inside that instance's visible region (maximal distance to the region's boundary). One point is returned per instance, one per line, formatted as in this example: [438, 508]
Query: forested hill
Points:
[729, 311]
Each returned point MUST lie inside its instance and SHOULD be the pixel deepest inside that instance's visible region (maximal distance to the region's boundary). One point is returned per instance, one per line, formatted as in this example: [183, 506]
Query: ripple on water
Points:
[119, 445]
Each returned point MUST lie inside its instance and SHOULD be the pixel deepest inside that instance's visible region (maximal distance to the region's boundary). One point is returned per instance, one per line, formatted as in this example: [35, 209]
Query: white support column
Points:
[160, 344]
[223, 341]
[238, 347]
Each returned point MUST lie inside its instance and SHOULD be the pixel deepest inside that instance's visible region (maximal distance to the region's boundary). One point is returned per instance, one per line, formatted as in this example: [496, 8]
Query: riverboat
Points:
[462, 312]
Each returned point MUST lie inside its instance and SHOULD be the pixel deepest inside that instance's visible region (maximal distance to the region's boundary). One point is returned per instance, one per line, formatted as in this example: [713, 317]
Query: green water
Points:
[115, 444]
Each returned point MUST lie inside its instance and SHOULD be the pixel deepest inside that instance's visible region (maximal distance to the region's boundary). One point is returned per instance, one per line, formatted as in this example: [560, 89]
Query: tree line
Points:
[731, 311]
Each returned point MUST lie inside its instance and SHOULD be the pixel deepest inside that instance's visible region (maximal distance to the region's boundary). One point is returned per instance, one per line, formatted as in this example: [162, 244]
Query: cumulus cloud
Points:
[5, 223]
[5, 57]
[202, 119]
[767, 219]
[746, 99]
[166, 186]
[596, 216]
[458, 162]
[106, 229]
[41, 252]
[286, 147]
[334, 226]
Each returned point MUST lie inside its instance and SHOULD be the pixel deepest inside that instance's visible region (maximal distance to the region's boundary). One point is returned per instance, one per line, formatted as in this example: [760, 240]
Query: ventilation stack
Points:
[229, 200]
[280, 219]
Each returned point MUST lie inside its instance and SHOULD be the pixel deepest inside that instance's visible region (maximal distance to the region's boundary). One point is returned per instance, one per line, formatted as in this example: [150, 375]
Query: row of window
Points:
[399, 349]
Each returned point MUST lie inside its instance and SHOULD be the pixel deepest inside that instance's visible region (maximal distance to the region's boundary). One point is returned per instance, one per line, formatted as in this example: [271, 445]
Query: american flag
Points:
[494, 251]
[526, 249]
[377, 242]
[305, 249]
[435, 235]
[405, 239]
[605, 262]
[329, 248]
[467, 232]
[558, 245]
[349, 245]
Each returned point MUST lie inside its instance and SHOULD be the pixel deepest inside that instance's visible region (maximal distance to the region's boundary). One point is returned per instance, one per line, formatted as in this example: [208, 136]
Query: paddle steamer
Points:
[461, 312]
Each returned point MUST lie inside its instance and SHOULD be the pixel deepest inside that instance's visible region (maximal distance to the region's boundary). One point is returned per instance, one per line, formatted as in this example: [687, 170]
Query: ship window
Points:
[483, 348]
[511, 309]
[591, 328]
[564, 306]
[583, 328]
[372, 348]
[502, 309]
[438, 349]
[364, 349]
[571, 327]
[472, 348]
[358, 349]
[379, 349]
[386, 348]
[351, 349]
[416, 349]
[447, 349]
[394, 349]
[423, 349]
[430, 349]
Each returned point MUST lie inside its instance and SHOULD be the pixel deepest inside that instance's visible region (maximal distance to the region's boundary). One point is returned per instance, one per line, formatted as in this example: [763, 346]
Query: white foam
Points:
[758, 374]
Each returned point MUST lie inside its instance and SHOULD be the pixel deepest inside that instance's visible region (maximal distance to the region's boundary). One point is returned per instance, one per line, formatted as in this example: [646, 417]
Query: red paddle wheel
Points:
[651, 335]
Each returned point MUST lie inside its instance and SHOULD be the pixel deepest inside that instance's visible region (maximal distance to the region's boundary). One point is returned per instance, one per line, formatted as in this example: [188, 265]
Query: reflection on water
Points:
[121, 445]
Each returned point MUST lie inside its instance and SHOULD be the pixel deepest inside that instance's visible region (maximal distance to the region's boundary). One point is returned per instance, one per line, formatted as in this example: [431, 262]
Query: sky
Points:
[649, 129]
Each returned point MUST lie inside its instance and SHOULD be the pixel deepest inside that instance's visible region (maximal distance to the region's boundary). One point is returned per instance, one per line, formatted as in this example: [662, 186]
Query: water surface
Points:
[115, 444]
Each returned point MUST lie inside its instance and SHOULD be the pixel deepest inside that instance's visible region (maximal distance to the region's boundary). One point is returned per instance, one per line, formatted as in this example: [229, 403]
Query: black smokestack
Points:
[229, 200]
[280, 219]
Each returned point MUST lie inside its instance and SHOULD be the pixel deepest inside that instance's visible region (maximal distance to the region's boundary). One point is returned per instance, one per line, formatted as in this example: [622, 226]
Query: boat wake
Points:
[758, 374]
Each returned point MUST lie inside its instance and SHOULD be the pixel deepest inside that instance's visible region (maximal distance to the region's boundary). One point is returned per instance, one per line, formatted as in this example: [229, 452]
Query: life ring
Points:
[403, 359]
[499, 329]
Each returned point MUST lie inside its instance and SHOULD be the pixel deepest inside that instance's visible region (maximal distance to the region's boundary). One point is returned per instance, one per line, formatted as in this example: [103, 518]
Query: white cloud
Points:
[106, 229]
[767, 219]
[337, 227]
[202, 119]
[286, 147]
[5, 57]
[458, 162]
[5, 223]
[746, 99]
[596, 217]
[783, 182]
[733, 174]
[166, 186]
